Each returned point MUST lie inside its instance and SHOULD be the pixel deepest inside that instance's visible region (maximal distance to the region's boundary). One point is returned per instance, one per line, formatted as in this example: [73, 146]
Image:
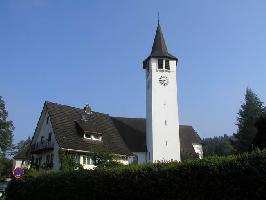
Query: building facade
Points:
[157, 138]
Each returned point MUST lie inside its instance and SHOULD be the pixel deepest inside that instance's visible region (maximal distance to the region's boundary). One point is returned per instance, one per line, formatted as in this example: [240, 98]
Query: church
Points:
[158, 138]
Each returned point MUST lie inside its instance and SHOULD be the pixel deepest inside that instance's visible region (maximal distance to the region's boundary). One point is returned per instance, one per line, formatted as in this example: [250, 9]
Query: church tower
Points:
[162, 122]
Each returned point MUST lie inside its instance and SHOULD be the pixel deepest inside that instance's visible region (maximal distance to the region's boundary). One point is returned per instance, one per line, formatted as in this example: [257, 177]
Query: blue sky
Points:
[76, 52]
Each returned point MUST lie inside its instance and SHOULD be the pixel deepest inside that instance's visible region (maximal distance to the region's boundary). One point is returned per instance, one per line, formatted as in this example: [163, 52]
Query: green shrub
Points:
[67, 160]
[233, 177]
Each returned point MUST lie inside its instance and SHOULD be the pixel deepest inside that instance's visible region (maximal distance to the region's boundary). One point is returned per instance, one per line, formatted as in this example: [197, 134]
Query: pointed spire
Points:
[158, 18]
[159, 48]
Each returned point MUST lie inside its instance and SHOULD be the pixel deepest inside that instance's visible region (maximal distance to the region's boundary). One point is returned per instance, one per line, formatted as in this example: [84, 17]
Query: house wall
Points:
[88, 165]
[142, 157]
[17, 163]
[45, 127]
[21, 163]
[198, 149]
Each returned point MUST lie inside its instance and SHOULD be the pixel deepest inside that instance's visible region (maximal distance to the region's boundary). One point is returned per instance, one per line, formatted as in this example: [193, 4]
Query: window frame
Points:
[160, 61]
[167, 67]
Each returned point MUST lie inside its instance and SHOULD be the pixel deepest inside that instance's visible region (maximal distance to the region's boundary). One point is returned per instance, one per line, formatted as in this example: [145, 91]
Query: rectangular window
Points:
[52, 158]
[50, 137]
[42, 138]
[77, 159]
[84, 160]
[160, 63]
[87, 136]
[89, 161]
[167, 65]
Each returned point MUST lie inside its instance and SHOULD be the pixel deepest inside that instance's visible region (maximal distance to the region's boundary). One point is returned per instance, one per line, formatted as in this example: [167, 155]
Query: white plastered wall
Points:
[142, 157]
[198, 149]
[162, 114]
[43, 130]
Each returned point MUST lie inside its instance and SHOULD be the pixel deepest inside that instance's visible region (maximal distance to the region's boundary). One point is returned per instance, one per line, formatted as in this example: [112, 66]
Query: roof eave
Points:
[159, 56]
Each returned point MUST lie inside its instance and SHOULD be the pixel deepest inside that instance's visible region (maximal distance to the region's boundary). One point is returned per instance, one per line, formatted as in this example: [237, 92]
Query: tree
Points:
[21, 145]
[5, 167]
[219, 146]
[260, 138]
[103, 158]
[6, 129]
[250, 111]
[68, 161]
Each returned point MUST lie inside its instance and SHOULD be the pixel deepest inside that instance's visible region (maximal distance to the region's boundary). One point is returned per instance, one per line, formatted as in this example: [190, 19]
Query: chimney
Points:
[87, 109]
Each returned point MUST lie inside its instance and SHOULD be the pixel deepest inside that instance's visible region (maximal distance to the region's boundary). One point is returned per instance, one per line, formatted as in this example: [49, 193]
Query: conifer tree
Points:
[250, 111]
[6, 129]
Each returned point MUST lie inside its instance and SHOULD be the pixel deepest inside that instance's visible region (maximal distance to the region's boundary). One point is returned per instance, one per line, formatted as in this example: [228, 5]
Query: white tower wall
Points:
[162, 133]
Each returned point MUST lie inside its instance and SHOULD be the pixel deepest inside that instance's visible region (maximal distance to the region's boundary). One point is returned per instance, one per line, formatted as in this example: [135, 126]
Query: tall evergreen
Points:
[250, 111]
[6, 129]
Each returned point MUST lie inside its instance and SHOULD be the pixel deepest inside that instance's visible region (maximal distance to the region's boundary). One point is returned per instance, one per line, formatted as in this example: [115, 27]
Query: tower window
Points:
[160, 63]
[167, 65]
[47, 119]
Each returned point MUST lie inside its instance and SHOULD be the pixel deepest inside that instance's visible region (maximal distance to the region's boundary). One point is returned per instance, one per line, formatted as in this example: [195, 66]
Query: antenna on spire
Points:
[158, 18]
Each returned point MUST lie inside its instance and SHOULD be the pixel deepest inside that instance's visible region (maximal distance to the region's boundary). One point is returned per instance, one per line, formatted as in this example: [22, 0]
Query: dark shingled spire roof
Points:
[159, 48]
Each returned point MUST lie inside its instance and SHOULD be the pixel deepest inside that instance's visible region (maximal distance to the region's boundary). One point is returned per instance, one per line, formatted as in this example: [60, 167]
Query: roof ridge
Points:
[64, 105]
[133, 118]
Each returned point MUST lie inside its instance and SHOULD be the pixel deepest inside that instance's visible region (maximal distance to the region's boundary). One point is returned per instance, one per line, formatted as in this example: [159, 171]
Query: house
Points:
[157, 138]
[71, 129]
[22, 158]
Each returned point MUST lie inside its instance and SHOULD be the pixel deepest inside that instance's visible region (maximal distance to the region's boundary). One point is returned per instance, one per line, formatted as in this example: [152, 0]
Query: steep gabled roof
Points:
[188, 136]
[63, 119]
[133, 132]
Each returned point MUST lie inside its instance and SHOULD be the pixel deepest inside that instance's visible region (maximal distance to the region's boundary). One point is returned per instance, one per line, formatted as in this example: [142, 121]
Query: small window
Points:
[87, 136]
[47, 119]
[89, 161]
[50, 137]
[77, 159]
[167, 65]
[165, 122]
[160, 63]
[47, 158]
[52, 158]
[84, 160]
[42, 139]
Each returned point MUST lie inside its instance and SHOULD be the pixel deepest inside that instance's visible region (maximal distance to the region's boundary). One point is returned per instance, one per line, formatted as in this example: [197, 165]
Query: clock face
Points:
[163, 80]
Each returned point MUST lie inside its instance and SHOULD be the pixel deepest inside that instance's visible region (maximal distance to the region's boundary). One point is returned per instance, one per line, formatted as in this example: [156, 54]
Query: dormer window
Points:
[160, 63]
[92, 136]
[167, 65]
[87, 135]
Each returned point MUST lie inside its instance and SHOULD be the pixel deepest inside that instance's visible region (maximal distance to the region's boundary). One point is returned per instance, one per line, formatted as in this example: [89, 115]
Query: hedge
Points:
[233, 177]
